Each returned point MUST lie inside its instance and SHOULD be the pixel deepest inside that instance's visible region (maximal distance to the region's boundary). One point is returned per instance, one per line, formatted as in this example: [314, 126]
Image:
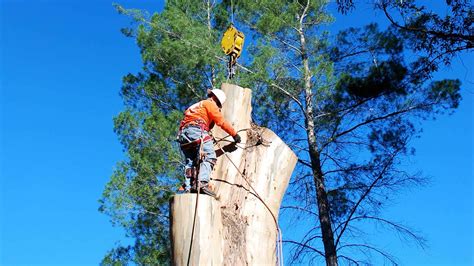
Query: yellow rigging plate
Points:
[232, 42]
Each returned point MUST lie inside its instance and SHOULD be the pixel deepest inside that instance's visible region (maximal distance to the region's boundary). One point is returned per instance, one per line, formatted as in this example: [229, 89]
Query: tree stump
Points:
[240, 227]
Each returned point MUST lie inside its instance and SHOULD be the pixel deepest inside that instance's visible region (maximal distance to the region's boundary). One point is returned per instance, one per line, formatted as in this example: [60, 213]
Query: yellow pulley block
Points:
[233, 42]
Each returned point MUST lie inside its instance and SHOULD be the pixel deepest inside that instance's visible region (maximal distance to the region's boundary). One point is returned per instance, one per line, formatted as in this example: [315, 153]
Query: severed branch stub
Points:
[250, 179]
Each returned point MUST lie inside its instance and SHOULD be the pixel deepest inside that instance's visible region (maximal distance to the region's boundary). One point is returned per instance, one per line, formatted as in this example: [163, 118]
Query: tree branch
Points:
[386, 255]
[381, 174]
[368, 121]
[299, 208]
[440, 34]
[304, 246]
[348, 259]
[289, 95]
[420, 241]
[305, 163]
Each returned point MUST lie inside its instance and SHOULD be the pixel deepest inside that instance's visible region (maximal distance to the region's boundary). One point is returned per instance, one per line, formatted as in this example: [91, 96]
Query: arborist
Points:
[197, 143]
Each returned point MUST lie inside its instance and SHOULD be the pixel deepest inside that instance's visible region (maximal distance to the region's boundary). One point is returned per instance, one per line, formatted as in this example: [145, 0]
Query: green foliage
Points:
[178, 53]
[368, 97]
[385, 78]
[446, 91]
[437, 36]
[117, 257]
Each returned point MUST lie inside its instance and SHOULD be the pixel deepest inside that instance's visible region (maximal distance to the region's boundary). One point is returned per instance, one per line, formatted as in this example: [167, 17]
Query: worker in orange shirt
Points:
[194, 128]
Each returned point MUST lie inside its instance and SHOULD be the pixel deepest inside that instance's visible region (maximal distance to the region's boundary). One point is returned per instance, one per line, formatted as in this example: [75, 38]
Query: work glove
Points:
[230, 147]
[237, 138]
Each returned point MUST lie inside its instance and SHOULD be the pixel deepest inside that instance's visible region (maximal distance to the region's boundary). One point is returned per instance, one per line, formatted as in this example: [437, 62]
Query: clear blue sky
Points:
[61, 66]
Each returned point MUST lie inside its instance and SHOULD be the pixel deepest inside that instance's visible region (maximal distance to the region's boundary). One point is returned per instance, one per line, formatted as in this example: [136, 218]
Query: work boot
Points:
[182, 189]
[206, 190]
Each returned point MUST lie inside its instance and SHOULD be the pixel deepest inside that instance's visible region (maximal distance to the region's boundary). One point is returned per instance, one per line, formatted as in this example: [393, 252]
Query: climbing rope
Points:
[198, 187]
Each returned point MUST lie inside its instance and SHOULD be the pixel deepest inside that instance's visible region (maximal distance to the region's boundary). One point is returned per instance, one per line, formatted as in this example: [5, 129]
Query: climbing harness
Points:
[193, 146]
[195, 143]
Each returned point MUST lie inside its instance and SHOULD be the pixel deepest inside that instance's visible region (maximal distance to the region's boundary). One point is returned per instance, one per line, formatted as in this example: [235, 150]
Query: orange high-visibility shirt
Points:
[207, 112]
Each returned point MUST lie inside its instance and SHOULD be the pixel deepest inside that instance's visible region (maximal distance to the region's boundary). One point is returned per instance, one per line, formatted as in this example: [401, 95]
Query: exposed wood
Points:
[239, 228]
[207, 240]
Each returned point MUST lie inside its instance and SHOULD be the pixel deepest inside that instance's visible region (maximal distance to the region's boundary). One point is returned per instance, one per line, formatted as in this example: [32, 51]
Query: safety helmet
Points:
[220, 95]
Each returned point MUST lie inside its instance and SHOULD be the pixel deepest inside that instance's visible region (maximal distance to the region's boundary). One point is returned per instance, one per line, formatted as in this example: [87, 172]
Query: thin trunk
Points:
[321, 195]
[209, 28]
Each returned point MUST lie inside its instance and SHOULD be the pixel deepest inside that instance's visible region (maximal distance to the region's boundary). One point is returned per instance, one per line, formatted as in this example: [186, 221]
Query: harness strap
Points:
[198, 123]
[194, 143]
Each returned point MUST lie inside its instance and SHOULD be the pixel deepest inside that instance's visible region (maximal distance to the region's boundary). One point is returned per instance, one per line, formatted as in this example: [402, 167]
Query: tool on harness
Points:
[232, 44]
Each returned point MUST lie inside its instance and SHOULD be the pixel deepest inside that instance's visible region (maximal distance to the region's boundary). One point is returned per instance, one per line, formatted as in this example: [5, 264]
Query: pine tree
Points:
[348, 104]
[179, 63]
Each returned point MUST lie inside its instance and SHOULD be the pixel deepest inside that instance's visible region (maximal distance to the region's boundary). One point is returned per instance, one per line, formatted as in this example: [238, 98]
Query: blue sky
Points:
[61, 65]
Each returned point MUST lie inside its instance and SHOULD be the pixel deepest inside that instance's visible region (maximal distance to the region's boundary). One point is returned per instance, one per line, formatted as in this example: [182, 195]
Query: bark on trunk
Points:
[321, 195]
[240, 227]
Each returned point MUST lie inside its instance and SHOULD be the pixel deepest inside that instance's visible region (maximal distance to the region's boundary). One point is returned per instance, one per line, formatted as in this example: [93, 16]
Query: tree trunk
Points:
[321, 195]
[240, 228]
